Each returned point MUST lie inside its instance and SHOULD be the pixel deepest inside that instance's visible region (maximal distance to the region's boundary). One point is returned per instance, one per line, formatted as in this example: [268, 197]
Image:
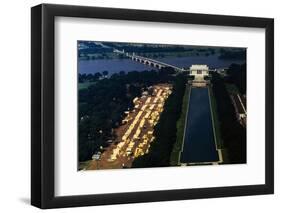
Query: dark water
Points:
[117, 65]
[212, 61]
[110, 65]
[199, 144]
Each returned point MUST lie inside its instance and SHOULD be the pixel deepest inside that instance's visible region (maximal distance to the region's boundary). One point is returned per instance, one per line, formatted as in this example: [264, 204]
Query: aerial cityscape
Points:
[160, 105]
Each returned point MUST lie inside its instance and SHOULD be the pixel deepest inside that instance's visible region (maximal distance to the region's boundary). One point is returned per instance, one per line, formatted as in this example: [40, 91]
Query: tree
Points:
[237, 75]
[105, 73]
[102, 106]
[122, 73]
[97, 75]
[233, 134]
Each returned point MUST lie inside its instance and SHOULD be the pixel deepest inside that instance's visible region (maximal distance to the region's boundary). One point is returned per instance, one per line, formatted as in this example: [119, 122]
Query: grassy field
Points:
[175, 155]
[216, 123]
[85, 85]
[215, 120]
[231, 88]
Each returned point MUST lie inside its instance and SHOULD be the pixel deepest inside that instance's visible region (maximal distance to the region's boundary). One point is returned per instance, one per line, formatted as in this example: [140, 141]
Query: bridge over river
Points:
[148, 61]
[159, 64]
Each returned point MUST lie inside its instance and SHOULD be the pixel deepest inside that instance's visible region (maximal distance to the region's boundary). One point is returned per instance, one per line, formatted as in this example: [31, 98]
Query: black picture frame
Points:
[43, 117]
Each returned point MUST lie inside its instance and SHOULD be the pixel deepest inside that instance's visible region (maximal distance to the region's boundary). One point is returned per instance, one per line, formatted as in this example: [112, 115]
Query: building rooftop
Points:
[199, 67]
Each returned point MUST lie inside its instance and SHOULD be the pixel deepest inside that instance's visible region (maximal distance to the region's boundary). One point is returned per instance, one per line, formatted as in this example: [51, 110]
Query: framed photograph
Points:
[140, 106]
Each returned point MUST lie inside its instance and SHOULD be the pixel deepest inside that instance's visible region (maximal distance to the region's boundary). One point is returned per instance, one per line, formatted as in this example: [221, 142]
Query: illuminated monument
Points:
[199, 72]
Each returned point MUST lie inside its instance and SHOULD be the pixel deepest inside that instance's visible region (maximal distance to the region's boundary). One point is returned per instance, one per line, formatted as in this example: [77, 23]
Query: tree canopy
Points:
[233, 134]
[102, 106]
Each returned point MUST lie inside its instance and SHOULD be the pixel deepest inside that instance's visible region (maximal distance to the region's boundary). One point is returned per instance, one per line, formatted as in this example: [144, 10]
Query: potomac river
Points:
[117, 65]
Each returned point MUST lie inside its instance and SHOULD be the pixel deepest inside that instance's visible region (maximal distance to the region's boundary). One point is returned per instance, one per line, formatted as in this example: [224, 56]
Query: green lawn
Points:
[85, 85]
[175, 155]
[215, 119]
[216, 123]
[231, 88]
